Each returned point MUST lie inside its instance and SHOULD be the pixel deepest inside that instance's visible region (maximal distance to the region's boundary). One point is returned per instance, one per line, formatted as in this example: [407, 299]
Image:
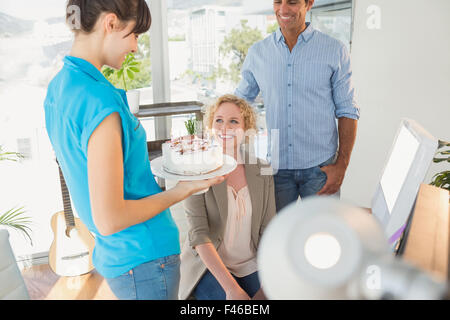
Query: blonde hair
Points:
[247, 112]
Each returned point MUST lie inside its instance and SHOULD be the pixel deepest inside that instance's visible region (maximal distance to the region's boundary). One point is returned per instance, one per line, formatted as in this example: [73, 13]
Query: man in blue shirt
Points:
[304, 77]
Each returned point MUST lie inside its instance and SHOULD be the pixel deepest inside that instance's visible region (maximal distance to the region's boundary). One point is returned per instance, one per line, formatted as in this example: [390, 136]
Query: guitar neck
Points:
[68, 214]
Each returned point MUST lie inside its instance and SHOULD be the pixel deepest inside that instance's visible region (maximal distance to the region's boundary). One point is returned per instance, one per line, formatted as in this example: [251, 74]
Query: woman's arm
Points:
[110, 211]
[270, 211]
[214, 263]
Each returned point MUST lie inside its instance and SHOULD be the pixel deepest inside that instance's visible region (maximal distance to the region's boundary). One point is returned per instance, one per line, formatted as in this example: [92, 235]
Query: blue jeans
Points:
[289, 184]
[209, 288]
[154, 280]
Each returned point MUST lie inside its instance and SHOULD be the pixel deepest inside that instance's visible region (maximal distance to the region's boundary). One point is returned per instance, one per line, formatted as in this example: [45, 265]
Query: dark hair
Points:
[125, 10]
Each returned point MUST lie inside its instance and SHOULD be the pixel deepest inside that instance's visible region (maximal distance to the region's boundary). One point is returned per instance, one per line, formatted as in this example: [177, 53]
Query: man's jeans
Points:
[154, 280]
[289, 184]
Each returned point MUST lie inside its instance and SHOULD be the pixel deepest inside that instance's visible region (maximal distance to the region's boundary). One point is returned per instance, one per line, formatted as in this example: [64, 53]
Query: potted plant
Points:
[442, 179]
[123, 77]
[14, 218]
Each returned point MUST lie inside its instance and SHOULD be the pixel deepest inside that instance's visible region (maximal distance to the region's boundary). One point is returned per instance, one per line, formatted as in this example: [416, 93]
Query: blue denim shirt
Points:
[78, 99]
[304, 91]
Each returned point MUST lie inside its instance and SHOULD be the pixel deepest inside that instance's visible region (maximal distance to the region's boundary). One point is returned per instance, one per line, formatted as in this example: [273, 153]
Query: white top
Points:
[236, 250]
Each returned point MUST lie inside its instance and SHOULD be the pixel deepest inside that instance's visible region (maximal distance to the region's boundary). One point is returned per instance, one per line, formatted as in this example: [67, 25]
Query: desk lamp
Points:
[323, 248]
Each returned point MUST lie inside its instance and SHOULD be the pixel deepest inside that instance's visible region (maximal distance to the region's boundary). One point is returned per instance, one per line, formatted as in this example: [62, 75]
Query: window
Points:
[203, 38]
[334, 19]
[204, 61]
[143, 82]
[204, 64]
[24, 148]
[33, 41]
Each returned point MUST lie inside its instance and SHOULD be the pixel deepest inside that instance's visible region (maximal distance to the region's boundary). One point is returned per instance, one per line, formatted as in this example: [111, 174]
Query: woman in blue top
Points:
[102, 150]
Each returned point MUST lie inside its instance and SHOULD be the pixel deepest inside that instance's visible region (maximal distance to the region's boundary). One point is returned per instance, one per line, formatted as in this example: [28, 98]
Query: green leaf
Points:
[443, 143]
[442, 180]
[190, 126]
[14, 219]
[107, 72]
[10, 156]
[127, 59]
[124, 79]
[437, 160]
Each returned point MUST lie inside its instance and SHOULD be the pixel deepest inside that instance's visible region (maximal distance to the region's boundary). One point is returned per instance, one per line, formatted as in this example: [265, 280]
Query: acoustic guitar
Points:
[71, 250]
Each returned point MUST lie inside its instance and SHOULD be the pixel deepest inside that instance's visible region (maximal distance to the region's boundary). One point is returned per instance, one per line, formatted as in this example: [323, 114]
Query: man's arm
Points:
[347, 135]
[335, 173]
[248, 88]
[347, 112]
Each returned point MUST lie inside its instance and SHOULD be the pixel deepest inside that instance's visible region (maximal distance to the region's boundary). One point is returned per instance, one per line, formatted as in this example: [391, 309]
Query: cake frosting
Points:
[191, 155]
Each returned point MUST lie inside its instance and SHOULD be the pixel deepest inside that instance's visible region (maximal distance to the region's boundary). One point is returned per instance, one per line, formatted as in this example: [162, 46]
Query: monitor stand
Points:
[401, 243]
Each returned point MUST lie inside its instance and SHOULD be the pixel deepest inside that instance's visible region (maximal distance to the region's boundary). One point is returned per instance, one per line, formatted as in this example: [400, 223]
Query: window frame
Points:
[343, 5]
[160, 64]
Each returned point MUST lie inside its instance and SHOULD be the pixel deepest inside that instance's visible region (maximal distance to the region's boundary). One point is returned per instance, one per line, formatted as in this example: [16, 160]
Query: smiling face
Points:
[228, 126]
[118, 42]
[291, 14]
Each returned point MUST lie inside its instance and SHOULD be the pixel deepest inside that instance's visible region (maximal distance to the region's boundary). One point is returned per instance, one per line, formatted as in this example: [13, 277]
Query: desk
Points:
[171, 108]
[427, 244]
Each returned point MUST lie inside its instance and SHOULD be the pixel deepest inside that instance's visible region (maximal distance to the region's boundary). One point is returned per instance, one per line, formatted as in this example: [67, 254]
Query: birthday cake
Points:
[191, 155]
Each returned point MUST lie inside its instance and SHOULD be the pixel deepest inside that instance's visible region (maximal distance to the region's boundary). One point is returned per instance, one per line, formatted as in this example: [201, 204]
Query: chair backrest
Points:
[12, 285]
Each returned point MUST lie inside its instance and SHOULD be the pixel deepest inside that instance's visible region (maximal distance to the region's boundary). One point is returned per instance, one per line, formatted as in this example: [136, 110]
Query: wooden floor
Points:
[43, 284]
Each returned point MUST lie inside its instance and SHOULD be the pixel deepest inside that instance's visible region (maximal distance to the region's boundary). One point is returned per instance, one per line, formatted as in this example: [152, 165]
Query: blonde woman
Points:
[218, 260]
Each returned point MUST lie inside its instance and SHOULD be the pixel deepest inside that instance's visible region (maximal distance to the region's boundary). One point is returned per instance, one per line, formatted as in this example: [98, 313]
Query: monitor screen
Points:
[410, 156]
[398, 165]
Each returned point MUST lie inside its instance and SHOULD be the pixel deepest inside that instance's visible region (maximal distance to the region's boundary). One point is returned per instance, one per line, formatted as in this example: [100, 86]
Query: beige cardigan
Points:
[207, 216]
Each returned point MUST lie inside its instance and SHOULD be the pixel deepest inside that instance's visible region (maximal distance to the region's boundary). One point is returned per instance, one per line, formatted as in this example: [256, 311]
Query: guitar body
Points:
[70, 253]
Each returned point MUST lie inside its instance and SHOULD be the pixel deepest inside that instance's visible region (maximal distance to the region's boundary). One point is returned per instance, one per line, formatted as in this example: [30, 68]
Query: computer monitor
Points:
[409, 159]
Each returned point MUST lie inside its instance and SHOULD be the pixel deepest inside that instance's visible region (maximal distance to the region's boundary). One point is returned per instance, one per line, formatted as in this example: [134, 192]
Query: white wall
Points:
[400, 70]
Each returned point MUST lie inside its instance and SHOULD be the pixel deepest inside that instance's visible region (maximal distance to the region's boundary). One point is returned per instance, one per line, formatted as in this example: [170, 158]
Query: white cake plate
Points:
[229, 164]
